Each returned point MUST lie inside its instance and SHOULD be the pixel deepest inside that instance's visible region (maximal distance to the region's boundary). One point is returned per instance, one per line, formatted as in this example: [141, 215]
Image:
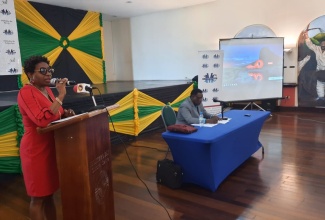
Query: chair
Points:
[168, 115]
[169, 118]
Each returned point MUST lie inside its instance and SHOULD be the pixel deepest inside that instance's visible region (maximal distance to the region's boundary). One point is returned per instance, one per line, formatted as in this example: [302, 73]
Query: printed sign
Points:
[209, 78]
[10, 62]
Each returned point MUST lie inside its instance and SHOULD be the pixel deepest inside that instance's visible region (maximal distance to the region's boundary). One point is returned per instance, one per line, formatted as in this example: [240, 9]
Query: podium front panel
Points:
[84, 163]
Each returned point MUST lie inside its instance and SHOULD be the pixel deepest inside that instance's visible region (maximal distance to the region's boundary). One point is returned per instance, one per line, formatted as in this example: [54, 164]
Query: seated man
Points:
[189, 110]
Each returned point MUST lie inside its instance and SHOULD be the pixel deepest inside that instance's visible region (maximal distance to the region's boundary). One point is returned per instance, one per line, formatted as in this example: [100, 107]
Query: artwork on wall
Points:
[311, 64]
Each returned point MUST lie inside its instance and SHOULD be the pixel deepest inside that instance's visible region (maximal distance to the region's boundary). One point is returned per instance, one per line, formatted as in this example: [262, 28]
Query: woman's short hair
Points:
[31, 62]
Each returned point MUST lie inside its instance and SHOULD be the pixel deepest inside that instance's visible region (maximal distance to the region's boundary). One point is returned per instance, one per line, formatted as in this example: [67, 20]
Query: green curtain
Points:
[11, 132]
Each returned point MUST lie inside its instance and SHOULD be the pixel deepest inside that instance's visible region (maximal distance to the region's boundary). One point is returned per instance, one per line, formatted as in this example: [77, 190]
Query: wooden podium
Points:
[83, 155]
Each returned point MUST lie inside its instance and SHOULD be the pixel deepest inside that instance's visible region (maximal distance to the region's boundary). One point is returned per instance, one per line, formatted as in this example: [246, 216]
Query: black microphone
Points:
[55, 80]
[215, 99]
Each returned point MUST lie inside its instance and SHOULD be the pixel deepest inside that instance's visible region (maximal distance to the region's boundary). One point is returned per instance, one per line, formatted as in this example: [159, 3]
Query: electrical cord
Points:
[167, 152]
[152, 148]
[127, 154]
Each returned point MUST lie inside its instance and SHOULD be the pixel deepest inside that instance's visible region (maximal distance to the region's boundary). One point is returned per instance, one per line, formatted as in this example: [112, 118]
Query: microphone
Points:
[86, 88]
[215, 99]
[55, 80]
[83, 88]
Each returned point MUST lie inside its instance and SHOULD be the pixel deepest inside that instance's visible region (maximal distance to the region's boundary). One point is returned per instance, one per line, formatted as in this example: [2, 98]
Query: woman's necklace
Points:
[43, 92]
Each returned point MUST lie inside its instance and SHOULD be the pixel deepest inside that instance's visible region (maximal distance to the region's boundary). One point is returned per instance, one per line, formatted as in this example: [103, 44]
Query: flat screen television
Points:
[252, 69]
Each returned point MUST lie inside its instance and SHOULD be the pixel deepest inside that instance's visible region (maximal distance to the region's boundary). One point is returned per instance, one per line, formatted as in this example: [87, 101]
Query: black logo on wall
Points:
[4, 2]
[216, 65]
[215, 90]
[210, 78]
[205, 56]
[11, 52]
[13, 70]
[205, 65]
[8, 32]
[204, 90]
[216, 56]
[5, 12]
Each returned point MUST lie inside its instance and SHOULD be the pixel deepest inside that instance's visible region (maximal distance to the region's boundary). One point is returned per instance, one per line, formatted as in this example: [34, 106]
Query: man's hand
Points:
[212, 120]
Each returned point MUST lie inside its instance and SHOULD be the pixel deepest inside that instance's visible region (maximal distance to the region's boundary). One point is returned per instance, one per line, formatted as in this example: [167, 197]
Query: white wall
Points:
[117, 49]
[165, 44]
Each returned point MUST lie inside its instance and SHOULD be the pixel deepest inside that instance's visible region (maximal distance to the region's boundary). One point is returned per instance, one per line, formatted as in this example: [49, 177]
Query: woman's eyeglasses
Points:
[44, 70]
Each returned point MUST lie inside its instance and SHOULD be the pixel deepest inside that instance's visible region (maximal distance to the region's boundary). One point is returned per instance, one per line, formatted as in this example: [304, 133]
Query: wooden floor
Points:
[287, 184]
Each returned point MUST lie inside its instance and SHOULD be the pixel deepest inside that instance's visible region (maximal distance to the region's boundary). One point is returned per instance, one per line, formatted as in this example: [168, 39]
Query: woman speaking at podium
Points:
[39, 107]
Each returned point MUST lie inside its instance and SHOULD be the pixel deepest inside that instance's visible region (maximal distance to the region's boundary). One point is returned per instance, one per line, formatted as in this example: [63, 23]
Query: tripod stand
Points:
[253, 103]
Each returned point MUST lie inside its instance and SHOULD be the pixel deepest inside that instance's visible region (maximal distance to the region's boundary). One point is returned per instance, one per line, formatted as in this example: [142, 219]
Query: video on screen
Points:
[252, 68]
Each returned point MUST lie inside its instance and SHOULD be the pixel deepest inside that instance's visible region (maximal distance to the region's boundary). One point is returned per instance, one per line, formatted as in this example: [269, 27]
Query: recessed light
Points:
[129, 2]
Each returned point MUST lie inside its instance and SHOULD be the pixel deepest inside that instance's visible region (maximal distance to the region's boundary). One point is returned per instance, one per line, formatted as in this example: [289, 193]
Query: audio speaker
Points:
[269, 104]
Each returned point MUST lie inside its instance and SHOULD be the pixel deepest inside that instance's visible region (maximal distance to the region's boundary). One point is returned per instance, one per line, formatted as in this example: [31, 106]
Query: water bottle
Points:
[201, 119]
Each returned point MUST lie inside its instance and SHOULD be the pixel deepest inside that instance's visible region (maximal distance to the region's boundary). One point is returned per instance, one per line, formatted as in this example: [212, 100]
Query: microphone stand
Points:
[222, 118]
[96, 107]
[222, 103]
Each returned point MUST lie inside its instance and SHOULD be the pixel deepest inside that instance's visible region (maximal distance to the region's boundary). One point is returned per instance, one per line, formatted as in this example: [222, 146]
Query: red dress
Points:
[37, 151]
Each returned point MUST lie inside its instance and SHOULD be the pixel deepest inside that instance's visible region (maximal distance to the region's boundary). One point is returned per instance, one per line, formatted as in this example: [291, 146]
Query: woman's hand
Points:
[60, 86]
[68, 113]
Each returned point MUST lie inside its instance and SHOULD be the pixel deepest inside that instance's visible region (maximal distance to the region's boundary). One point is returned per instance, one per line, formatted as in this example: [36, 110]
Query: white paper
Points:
[224, 121]
[204, 125]
[66, 119]
[212, 125]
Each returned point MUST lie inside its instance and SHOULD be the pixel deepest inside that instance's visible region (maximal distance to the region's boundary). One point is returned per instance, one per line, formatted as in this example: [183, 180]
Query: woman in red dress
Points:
[39, 107]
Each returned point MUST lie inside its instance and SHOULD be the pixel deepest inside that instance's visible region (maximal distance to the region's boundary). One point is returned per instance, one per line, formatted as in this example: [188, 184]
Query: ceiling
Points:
[115, 9]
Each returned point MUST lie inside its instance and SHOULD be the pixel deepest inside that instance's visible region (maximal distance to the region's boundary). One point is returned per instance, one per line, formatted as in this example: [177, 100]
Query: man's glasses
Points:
[44, 70]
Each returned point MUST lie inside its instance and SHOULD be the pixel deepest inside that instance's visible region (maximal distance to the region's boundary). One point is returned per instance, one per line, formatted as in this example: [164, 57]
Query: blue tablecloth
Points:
[209, 155]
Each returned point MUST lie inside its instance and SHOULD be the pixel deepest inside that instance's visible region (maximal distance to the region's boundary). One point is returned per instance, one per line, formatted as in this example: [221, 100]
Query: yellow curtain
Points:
[8, 145]
[27, 13]
[134, 101]
[182, 96]
[90, 64]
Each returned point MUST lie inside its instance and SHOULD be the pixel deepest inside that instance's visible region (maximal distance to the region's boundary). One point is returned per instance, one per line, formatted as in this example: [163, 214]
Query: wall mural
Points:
[311, 64]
